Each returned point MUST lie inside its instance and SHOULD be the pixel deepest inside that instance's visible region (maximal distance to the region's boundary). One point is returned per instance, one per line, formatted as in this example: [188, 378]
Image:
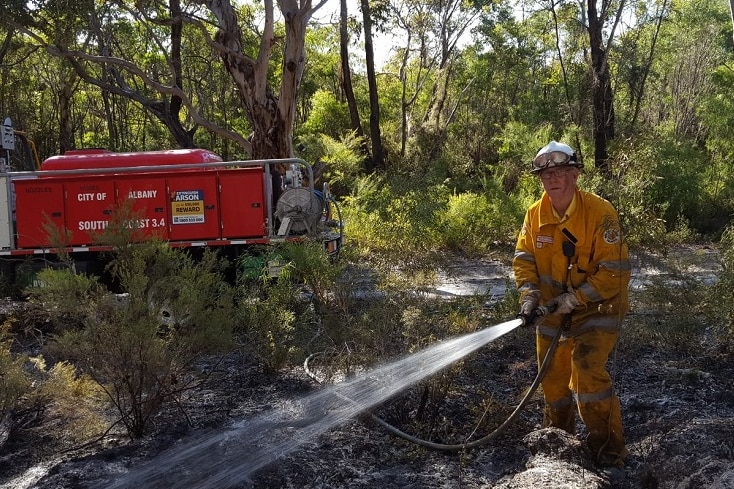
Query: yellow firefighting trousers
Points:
[578, 369]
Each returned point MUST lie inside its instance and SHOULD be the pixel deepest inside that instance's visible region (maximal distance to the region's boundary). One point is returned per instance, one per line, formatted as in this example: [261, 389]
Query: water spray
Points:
[231, 456]
[526, 320]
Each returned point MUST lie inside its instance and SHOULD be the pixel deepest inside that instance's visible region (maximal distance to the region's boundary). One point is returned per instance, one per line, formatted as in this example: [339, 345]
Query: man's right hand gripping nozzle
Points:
[529, 307]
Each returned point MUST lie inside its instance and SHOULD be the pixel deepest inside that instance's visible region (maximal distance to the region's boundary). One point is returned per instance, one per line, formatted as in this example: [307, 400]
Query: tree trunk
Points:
[271, 117]
[7, 44]
[378, 154]
[647, 66]
[403, 75]
[176, 64]
[354, 119]
[250, 77]
[602, 96]
[66, 126]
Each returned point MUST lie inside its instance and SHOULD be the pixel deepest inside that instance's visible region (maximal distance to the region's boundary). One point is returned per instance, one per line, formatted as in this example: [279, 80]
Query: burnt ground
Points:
[677, 405]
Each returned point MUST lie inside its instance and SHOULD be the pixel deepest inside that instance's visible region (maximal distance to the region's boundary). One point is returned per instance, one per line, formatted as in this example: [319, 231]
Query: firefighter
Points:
[570, 257]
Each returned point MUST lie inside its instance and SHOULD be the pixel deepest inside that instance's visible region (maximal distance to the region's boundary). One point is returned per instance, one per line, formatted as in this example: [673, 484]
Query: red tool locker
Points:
[88, 204]
[242, 203]
[149, 202]
[39, 203]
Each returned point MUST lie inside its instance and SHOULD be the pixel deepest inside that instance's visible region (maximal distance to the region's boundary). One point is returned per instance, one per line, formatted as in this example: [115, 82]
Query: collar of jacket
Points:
[548, 214]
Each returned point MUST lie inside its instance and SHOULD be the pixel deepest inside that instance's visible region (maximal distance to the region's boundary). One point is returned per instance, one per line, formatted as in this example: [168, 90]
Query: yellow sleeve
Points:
[523, 262]
[611, 265]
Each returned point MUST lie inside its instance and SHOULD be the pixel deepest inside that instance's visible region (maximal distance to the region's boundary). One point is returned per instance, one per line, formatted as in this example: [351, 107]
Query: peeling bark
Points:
[271, 116]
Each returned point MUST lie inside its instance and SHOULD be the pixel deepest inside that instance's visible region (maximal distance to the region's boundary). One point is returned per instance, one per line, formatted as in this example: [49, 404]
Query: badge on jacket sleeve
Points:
[611, 234]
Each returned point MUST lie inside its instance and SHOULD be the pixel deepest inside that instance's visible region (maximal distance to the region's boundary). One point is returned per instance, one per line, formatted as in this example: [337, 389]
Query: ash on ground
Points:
[677, 407]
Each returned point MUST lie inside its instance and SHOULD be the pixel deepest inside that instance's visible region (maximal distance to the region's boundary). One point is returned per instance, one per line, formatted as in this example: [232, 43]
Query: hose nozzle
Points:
[538, 312]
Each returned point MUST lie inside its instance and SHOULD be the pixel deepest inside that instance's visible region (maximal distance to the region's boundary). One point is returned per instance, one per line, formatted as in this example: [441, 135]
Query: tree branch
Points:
[75, 56]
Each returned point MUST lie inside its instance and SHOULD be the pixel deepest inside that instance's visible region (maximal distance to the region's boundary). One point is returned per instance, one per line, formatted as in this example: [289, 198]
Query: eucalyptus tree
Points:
[62, 24]
[698, 45]
[510, 89]
[5, 44]
[636, 53]
[666, 65]
[685, 118]
[17, 85]
[247, 49]
[600, 19]
[346, 71]
[432, 33]
[603, 20]
[416, 63]
[451, 20]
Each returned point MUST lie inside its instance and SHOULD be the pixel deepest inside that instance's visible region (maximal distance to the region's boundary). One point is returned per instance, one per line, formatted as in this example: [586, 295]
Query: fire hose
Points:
[537, 314]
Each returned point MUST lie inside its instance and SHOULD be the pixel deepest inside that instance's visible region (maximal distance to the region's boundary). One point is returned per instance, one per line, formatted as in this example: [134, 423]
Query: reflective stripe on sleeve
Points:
[589, 291]
[616, 265]
[608, 323]
[603, 323]
[524, 255]
[528, 287]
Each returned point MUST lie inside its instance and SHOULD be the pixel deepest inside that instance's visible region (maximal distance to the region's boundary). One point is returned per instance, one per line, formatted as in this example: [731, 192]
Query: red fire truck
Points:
[186, 197]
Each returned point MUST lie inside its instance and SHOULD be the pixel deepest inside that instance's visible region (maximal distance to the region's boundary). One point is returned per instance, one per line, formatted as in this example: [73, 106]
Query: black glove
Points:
[528, 305]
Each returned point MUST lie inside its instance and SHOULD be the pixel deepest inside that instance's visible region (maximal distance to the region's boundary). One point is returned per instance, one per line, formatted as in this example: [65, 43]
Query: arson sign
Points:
[187, 207]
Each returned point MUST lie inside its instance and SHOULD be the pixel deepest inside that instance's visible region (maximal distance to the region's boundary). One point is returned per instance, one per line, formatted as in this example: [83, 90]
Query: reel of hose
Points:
[302, 207]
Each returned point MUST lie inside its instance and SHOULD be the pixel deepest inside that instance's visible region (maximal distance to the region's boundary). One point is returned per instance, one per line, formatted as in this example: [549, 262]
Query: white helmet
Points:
[554, 154]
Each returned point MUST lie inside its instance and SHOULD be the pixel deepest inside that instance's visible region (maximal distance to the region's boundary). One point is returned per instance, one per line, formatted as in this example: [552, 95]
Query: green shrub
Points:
[312, 266]
[396, 223]
[139, 346]
[266, 318]
[279, 317]
[75, 402]
[327, 115]
[473, 224]
[676, 310]
[665, 191]
[14, 382]
[344, 161]
[72, 404]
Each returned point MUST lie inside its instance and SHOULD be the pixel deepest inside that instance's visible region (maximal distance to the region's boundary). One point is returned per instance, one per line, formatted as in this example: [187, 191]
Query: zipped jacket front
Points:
[598, 272]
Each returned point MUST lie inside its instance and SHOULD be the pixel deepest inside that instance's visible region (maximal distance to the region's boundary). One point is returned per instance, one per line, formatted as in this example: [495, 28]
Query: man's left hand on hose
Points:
[564, 303]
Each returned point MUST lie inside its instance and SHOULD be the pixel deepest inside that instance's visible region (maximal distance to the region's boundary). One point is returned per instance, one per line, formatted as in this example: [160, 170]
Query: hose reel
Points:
[299, 210]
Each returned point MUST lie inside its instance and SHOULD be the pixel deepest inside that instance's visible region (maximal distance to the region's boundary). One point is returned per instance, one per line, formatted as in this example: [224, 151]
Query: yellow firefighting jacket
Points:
[598, 272]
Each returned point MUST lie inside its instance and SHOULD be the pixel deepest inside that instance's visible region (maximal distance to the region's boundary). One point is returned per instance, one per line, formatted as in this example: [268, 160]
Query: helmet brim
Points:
[572, 163]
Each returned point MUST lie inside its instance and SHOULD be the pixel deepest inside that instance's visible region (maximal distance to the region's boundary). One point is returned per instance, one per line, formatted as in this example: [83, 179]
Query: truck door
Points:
[89, 204]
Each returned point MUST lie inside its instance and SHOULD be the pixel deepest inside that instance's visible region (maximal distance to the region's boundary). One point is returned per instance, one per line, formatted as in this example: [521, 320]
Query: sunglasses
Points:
[549, 160]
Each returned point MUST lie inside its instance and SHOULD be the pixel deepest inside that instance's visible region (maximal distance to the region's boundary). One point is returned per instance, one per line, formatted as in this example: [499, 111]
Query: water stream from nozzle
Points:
[229, 457]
